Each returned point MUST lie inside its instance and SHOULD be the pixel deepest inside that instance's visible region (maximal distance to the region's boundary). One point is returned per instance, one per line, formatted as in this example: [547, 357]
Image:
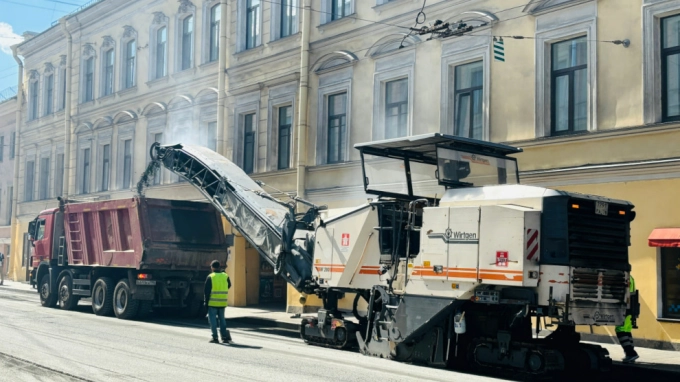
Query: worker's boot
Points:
[215, 340]
[227, 339]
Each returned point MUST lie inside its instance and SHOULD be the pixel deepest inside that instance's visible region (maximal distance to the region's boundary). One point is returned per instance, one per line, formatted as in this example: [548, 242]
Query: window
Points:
[63, 89]
[340, 9]
[34, 100]
[161, 53]
[215, 16]
[29, 179]
[670, 67]
[106, 167]
[288, 13]
[252, 23]
[2, 148]
[187, 42]
[44, 190]
[12, 140]
[670, 283]
[85, 186]
[89, 80]
[396, 108]
[10, 204]
[212, 136]
[569, 86]
[337, 127]
[130, 60]
[49, 94]
[108, 72]
[59, 175]
[468, 102]
[285, 125]
[249, 143]
[158, 137]
[127, 163]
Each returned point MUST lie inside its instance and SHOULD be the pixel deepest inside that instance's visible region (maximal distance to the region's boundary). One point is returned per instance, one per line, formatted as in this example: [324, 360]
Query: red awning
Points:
[665, 237]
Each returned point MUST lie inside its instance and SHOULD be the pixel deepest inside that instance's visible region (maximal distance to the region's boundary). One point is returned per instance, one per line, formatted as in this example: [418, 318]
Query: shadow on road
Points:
[239, 346]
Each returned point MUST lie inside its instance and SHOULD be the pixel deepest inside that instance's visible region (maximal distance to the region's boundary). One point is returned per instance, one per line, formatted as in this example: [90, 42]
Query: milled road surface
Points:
[40, 344]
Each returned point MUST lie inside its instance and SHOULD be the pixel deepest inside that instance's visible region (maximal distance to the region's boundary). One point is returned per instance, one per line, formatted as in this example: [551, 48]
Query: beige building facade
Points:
[8, 108]
[285, 88]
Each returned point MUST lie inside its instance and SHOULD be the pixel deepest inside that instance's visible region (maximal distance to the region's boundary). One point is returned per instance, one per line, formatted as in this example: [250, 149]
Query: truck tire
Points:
[47, 298]
[102, 296]
[124, 306]
[65, 297]
[195, 307]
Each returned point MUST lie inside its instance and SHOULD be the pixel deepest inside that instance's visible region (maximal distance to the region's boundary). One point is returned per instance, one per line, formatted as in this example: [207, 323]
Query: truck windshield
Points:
[389, 175]
[184, 226]
[460, 168]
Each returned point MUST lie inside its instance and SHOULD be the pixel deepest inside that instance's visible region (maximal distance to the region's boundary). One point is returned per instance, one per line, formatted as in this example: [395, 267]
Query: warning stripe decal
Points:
[532, 244]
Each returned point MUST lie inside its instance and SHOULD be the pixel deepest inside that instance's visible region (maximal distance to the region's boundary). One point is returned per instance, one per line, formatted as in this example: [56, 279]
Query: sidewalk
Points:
[18, 286]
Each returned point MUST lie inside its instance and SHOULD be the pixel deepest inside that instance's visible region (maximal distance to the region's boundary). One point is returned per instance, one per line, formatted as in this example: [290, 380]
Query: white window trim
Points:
[459, 52]
[84, 142]
[109, 45]
[280, 96]
[326, 7]
[160, 20]
[125, 132]
[275, 24]
[205, 41]
[49, 71]
[332, 83]
[387, 69]
[186, 9]
[552, 28]
[246, 104]
[34, 77]
[60, 85]
[104, 137]
[652, 13]
[88, 52]
[241, 26]
[129, 35]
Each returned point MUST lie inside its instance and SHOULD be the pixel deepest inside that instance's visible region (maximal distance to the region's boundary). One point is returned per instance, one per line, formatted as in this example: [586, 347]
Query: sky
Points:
[19, 16]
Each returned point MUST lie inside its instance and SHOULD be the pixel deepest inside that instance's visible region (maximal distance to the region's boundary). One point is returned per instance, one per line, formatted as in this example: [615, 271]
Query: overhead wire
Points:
[31, 5]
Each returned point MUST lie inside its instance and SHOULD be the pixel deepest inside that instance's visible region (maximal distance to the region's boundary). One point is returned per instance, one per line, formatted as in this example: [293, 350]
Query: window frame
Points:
[327, 11]
[341, 148]
[664, 53]
[48, 103]
[29, 182]
[661, 282]
[59, 172]
[570, 73]
[290, 138]
[160, 21]
[182, 56]
[104, 178]
[253, 134]
[34, 97]
[279, 96]
[392, 67]
[105, 72]
[61, 100]
[88, 80]
[277, 17]
[129, 36]
[554, 27]
[44, 184]
[242, 25]
[253, 25]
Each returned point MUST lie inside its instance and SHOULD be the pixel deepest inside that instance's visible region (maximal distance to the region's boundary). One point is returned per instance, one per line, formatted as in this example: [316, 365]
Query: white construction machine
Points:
[456, 261]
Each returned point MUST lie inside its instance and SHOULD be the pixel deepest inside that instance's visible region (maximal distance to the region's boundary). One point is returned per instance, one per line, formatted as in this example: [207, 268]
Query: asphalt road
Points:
[40, 344]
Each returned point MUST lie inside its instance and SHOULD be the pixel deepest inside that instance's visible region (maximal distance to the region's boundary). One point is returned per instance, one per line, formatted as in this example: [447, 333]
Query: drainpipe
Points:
[222, 86]
[17, 155]
[302, 110]
[67, 109]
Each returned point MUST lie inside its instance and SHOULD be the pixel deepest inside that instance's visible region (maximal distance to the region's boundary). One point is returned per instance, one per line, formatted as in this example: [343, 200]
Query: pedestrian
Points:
[216, 292]
[2, 269]
[623, 333]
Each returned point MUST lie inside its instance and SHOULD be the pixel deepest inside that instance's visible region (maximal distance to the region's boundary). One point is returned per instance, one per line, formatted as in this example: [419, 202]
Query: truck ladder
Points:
[266, 223]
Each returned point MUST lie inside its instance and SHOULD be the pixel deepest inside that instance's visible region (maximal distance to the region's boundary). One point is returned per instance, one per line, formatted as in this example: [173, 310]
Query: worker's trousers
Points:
[214, 315]
[626, 341]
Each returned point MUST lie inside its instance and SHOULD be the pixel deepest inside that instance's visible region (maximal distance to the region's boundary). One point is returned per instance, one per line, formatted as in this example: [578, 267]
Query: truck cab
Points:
[41, 235]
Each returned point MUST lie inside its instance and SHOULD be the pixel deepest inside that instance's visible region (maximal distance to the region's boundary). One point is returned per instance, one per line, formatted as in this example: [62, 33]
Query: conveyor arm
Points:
[267, 224]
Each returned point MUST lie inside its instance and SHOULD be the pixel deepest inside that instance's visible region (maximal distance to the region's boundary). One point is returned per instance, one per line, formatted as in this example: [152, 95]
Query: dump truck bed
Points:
[144, 233]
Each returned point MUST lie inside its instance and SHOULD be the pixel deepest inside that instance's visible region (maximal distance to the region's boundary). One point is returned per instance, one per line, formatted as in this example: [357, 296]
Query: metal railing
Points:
[8, 93]
[82, 7]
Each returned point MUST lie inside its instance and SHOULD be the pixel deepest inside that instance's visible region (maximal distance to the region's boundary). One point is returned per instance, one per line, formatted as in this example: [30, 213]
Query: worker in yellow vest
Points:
[623, 333]
[216, 292]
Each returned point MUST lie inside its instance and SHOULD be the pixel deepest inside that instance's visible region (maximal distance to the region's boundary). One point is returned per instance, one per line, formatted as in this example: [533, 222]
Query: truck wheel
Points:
[102, 296]
[67, 300]
[195, 307]
[124, 306]
[47, 298]
[145, 308]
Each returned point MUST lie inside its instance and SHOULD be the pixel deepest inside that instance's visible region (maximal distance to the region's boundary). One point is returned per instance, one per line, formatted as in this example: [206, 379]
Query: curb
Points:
[266, 322]
[18, 290]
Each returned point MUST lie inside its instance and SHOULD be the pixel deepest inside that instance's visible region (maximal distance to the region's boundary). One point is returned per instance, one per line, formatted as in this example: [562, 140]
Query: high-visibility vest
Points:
[220, 290]
[627, 326]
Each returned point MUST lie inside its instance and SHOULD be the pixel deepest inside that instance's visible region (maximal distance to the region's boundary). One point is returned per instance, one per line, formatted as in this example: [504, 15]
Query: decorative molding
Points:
[334, 60]
[49, 68]
[129, 32]
[88, 50]
[62, 60]
[186, 6]
[159, 18]
[391, 43]
[108, 42]
[33, 75]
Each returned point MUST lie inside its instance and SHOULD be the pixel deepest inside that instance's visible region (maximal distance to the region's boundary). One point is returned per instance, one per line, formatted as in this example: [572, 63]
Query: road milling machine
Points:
[457, 264]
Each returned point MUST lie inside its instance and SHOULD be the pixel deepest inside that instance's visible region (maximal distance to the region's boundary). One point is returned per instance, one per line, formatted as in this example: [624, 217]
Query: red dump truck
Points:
[128, 255]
